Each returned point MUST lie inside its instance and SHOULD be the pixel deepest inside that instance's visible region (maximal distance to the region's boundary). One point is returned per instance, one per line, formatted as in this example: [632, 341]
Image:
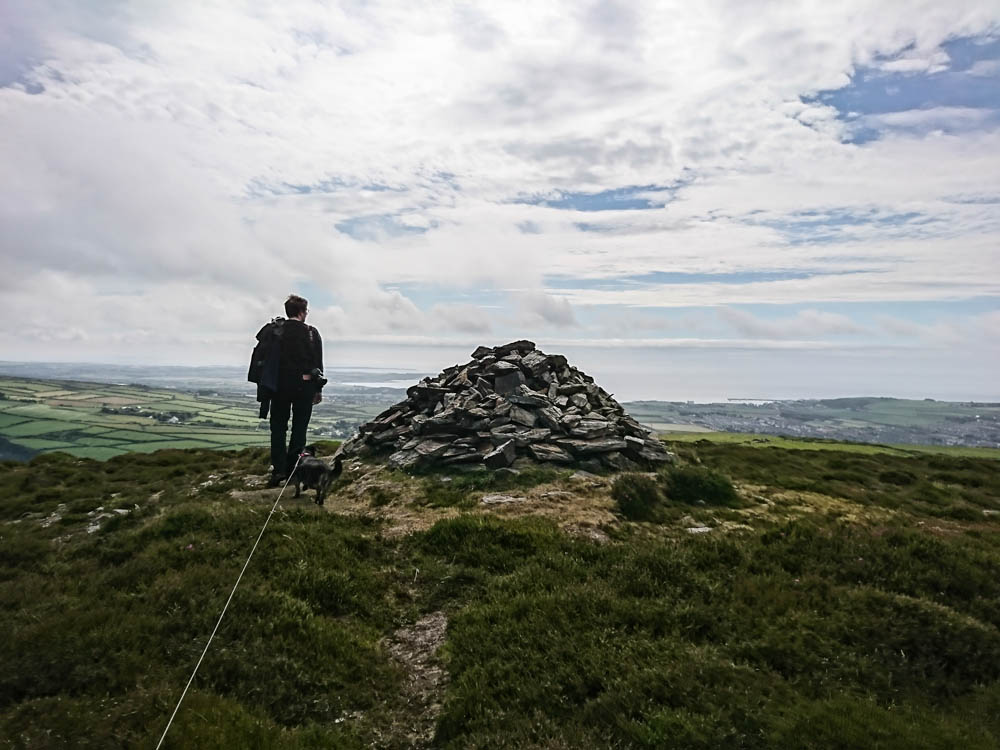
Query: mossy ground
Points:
[848, 600]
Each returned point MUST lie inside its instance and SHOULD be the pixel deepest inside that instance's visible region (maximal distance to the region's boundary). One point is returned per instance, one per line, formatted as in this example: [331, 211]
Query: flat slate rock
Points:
[549, 452]
[502, 456]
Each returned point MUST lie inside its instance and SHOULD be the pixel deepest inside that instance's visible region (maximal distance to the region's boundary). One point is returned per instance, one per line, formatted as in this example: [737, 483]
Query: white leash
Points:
[191, 679]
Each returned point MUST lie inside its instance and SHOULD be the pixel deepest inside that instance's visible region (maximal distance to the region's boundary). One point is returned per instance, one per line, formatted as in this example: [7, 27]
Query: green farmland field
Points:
[164, 444]
[93, 420]
[6, 420]
[38, 427]
[42, 444]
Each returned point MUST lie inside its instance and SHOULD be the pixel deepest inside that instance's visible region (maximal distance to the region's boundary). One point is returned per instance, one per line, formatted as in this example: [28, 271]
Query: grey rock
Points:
[580, 447]
[425, 391]
[389, 416]
[652, 456]
[404, 459]
[549, 452]
[619, 462]
[467, 458]
[483, 386]
[388, 436]
[431, 448]
[441, 421]
[501, 456]
[580, 401]
[522, 416]
[550, 417]
[497, 499]
[508, 383]
[569, 421]
[535, 363]
[634, 444]
[524, 438]
[522, 346]
[525, 397]
[503, 368]
[592, 428]
[481, 351]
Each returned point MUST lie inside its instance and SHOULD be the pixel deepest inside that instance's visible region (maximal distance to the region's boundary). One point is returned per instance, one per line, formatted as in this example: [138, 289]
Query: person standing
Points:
[300, 383]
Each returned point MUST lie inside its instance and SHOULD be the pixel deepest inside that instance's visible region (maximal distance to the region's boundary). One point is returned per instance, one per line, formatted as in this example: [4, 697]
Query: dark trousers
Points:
[299, 405]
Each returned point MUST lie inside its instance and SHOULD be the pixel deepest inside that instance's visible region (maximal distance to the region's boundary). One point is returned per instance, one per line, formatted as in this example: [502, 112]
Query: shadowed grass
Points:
[809, 633]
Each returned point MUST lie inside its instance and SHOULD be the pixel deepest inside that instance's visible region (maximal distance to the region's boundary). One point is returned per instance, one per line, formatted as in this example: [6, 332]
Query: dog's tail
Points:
[338, 467]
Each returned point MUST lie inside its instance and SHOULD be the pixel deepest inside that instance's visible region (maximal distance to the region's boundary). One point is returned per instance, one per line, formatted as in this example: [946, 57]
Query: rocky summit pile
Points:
[508, 401]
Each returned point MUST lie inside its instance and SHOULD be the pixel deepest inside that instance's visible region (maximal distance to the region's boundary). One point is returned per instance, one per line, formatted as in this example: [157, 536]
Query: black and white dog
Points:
[315, 474]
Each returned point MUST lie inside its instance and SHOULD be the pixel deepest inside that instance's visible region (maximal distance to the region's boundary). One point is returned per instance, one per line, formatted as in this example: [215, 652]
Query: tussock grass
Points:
[807, 633]
[698, 484]
[637, 497]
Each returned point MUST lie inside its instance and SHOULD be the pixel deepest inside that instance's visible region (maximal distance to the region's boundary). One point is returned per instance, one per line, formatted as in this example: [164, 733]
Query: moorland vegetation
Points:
[833, 599]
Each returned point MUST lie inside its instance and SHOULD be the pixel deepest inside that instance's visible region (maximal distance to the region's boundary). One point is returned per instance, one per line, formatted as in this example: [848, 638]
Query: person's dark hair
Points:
[295, 305]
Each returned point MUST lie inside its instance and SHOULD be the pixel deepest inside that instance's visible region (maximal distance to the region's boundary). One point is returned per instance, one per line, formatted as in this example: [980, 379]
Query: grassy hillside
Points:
[837, 600]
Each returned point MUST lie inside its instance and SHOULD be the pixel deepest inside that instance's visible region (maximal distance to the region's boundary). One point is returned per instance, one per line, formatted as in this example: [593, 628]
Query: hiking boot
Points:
[276, 480]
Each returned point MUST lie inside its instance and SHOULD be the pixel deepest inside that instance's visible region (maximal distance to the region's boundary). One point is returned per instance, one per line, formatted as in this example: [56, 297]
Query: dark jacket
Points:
[301, 352]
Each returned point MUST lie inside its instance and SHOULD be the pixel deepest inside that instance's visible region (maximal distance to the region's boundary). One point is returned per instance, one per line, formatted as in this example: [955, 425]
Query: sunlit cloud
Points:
[598, 171]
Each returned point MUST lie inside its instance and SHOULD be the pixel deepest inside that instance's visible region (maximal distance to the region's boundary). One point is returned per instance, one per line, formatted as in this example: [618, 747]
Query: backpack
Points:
[266, 357]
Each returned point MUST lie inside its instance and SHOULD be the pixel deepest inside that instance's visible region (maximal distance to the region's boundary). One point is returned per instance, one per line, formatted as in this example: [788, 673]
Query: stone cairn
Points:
[508, 401]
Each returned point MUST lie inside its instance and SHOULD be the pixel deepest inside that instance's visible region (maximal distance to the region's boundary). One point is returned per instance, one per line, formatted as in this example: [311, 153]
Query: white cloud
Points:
[461, 318]
[984, 68]
[164, 156]
[932, 117]
[539, 308]
[804, 324]
[917, 61]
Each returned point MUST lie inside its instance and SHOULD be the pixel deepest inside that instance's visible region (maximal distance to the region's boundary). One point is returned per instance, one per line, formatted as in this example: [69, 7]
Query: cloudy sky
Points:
[691, 200]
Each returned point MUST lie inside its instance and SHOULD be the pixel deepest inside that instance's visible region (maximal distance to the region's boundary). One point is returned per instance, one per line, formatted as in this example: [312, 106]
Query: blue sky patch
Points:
[815, 227]
[659, 278]
[629, 198]
[377, 227]
[971, 83]
[258, 188]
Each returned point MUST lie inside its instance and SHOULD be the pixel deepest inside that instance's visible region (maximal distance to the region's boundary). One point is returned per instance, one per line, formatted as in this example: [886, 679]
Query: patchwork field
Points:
[95, 420]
